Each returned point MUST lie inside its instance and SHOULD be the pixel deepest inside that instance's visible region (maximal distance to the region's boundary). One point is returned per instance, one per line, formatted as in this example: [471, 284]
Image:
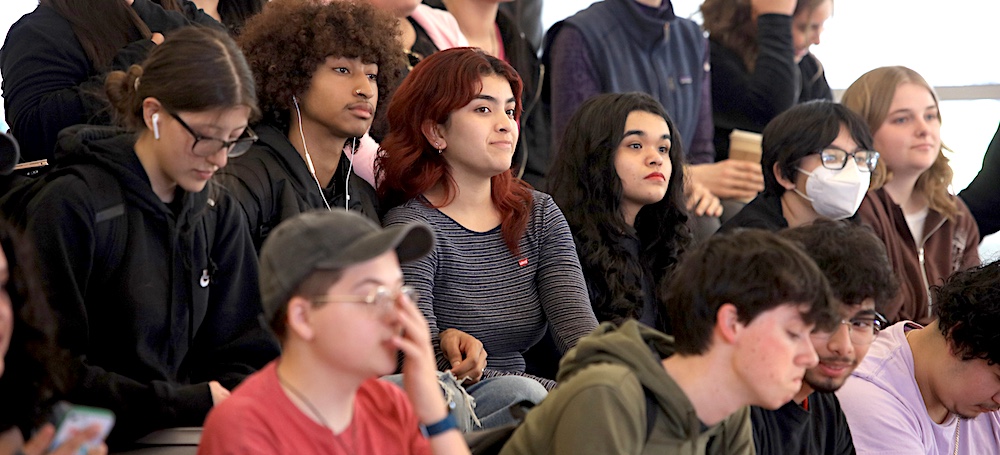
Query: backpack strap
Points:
[110, 222]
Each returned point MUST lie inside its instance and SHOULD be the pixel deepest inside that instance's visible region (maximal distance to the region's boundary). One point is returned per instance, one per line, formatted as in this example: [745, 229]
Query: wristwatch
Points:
[439, 427]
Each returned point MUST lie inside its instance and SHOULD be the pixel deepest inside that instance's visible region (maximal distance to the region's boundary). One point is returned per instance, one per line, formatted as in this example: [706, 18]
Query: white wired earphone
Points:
[312, 168]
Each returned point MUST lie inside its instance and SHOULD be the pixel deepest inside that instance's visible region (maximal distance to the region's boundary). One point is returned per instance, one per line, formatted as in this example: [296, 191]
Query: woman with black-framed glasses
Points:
[146, 260]
[818, 163]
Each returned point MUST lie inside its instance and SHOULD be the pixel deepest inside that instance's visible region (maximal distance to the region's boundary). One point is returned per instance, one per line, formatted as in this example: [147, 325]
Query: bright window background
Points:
[949, 43]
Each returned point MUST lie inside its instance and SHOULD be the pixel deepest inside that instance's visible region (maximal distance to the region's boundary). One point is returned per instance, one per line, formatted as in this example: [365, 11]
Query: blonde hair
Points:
[871, 97]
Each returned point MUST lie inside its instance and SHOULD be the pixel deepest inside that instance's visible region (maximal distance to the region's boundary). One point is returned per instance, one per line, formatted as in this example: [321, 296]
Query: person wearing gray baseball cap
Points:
[333, 293]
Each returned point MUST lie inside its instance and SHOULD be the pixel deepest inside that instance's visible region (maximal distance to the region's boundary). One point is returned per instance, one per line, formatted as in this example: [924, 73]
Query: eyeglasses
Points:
[835, 159]
[861, 329]
[380, 299]
[205, 146]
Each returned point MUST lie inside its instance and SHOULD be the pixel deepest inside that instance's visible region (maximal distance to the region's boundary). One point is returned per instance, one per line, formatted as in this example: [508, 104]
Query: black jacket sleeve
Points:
[748, 100]
[49, 82]
[250, 188]
[163, 21]
[982, 195]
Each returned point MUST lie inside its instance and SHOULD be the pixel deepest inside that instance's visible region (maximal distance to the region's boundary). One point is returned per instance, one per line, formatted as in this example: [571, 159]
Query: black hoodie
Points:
[147, 332]
[273, 183]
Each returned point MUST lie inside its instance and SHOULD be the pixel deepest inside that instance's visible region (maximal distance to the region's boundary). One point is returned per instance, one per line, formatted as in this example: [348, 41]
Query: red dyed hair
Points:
[408, 165]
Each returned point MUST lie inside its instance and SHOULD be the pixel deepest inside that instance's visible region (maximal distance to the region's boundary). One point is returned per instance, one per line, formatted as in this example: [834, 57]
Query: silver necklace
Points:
[315, 412]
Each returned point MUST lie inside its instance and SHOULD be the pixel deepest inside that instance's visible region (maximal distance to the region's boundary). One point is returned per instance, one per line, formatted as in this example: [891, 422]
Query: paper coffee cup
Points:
[744, 146]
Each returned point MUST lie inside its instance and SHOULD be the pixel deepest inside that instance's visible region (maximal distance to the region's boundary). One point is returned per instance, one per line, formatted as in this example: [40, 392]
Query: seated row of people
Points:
[424, 30]
[820, 161]
[461, 145]
[160, 201]
[914, 389]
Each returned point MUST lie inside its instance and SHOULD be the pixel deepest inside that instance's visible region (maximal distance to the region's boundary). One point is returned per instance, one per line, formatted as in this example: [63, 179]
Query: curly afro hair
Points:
[286, 42]
[968, 309]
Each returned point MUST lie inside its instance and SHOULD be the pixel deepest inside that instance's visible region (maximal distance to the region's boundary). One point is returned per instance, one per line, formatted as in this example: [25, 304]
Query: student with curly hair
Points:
[33, 371]
[619, 180]
[934, 389]
[423, 30]
[55, 59]
[147, 262]
[928, 232]
[322, 77]
[505, 267]
[761, 63]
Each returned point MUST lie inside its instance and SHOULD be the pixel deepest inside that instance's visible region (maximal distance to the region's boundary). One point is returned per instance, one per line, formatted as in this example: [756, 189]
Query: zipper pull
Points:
[205, 278]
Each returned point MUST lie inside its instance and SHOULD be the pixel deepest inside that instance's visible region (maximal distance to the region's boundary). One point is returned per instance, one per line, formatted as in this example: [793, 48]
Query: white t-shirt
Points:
[916, 223]
[887, 414]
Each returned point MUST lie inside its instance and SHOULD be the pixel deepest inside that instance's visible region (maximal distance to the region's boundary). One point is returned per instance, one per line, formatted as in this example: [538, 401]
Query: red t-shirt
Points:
[260, 419]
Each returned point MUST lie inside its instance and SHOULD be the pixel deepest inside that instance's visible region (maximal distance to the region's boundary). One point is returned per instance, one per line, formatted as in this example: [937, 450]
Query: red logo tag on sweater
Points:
[522, 262]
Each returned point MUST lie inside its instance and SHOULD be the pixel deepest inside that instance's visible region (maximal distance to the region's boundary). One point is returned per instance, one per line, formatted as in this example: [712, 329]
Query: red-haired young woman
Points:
[505, 267]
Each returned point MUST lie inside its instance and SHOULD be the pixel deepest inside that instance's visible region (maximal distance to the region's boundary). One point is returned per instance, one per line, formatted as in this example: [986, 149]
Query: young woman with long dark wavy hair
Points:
[619, 180]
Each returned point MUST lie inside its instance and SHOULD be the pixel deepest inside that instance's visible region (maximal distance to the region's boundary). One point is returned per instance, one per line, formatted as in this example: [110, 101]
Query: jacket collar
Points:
[643, 24]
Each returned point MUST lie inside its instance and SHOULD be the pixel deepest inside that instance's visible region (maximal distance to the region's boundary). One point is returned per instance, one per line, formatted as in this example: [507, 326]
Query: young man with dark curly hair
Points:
[812, 422]
[934, 389]
[323, 71]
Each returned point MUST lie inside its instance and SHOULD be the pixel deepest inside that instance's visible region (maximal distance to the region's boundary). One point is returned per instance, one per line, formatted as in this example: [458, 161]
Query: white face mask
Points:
[836, 194]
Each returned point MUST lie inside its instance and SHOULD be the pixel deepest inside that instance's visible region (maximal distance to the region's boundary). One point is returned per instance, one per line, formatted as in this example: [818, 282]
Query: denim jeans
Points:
[486, 403]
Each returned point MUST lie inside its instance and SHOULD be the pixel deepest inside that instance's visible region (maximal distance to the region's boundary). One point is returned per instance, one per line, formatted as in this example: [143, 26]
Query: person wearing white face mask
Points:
[817, 161]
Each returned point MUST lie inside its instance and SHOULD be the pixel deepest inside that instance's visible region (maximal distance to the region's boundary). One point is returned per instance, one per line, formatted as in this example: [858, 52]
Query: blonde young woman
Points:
[929, 233]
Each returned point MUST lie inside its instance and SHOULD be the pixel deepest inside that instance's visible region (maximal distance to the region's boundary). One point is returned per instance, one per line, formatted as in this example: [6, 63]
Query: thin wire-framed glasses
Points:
[862, 328]
[835, 159]
[205, 146]
[379, 299]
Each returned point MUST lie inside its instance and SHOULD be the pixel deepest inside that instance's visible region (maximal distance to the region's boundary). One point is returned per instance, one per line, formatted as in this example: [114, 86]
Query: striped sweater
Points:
[472, 282]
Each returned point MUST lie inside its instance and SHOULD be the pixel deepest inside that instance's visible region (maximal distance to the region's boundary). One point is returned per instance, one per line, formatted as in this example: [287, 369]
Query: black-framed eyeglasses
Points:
[380, 298]
[862, 329]
[205, 146]
[835, 159]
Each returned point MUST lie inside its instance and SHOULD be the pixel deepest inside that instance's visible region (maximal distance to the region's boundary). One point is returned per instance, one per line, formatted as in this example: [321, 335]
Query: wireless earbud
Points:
[156, 125]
